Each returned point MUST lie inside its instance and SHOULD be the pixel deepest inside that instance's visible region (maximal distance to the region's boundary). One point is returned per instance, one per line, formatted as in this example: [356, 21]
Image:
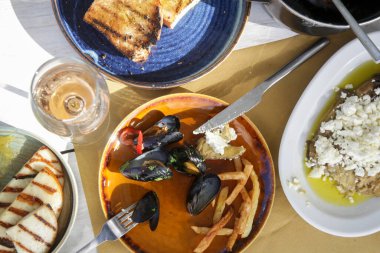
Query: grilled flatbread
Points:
[174, 10]
[36, 232]
[44, 157]
[132, 26]
[43, 189]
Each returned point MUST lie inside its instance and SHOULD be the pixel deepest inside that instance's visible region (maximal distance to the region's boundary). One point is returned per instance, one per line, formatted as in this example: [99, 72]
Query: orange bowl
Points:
[174, 233]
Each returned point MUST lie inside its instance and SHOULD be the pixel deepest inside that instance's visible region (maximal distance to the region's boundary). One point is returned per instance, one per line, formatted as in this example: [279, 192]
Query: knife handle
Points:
[285, 70]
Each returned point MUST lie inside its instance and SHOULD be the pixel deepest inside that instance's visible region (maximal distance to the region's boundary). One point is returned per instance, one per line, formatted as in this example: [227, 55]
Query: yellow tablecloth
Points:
[285, 231]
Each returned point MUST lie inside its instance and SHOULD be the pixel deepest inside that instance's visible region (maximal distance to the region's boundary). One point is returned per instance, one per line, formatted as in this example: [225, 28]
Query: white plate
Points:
[348, 221]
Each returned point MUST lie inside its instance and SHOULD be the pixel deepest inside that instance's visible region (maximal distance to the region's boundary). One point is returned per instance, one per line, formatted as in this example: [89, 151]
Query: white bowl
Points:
[348, 221]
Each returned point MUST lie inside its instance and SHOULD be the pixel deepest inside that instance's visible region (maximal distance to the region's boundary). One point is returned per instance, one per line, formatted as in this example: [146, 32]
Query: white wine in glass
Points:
[70, 98]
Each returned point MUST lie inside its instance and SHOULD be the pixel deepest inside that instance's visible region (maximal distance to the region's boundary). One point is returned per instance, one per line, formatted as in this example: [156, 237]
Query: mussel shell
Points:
[153, 222]
[161, 139]
[151, 171]
[147, 208]
[167, 124]
[149, 166]
[180, 155]
[202, 192]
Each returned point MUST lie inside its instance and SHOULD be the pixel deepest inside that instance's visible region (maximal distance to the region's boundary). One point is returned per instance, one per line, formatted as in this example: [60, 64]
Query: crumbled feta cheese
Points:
[353, 141]
[216, 142]
[348, 86]
[317, 172]
[377, 91]
[294, 183]
[218, 139]
[343, 95]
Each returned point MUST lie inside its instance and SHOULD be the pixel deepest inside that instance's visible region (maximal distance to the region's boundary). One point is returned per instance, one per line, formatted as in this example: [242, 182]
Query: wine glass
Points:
[71, 99]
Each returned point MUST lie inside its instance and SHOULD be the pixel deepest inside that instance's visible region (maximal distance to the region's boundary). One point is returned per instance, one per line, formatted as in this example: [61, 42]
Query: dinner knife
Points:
[253, 97]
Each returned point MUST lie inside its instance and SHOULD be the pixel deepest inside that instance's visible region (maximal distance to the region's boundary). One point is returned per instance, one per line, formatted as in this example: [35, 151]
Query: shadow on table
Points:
[37, 18]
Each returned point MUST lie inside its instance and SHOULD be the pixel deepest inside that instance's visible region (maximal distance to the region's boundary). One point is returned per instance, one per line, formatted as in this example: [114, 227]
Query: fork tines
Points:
[124, 218]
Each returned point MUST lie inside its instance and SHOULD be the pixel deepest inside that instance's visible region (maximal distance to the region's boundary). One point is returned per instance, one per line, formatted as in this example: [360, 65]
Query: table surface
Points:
[31, 36]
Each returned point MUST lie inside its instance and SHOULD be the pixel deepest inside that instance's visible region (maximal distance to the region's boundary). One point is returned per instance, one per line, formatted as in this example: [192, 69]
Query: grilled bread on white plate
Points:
[36, 232]
[44, 157]
[43, 189]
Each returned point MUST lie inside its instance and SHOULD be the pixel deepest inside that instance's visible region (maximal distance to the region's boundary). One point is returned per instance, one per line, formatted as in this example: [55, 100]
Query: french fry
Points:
[238, 164]
[239, 167]
[220, 205]
[206, 241]
[204, 230]
[254, 193]
[232, 239]
[213, 203]
[245, 195]
[235, 175]
[240, 185]
[243, 216]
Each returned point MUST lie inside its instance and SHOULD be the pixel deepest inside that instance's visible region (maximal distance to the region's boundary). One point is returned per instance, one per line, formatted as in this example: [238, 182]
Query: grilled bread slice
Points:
[174, 10]
[132, 26]
[43, 189]
[44, 157]
[36, 232]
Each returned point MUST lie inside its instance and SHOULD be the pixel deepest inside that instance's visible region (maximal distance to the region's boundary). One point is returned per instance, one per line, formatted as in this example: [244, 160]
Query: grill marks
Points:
[28, 166]
[5, 224]
[12, 189]
[6, 243]
[30, 200]
[19, 244]
[34, 235]
[45, 222]
[132, 27]
[18, 211]
[179, 6]
[44, 187]
[23, 176]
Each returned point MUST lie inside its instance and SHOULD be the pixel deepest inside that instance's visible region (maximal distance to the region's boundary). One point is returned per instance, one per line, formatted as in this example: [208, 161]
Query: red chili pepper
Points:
[127, 137]
[139, 146]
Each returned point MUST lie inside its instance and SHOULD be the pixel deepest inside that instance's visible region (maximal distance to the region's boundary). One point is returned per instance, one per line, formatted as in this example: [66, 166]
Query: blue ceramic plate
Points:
[199, 42]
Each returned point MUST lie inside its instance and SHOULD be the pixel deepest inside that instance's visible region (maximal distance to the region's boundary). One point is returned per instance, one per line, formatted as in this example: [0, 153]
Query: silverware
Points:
[359, 32]
[113, 229]
[253, 97]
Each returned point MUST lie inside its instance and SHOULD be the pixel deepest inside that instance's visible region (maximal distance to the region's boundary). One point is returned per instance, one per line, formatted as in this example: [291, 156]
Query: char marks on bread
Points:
[36, 232]
[132, 26]
[44, 157]
[43, 189]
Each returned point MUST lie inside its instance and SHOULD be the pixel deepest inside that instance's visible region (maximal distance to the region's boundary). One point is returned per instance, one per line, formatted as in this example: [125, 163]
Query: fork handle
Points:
[92, 244]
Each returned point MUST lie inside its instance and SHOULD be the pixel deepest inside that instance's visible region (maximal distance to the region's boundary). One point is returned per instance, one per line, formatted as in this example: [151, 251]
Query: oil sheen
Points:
[327, 189]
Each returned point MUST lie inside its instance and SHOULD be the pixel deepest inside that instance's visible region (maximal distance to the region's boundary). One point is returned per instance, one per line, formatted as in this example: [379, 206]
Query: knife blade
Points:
[253, 97]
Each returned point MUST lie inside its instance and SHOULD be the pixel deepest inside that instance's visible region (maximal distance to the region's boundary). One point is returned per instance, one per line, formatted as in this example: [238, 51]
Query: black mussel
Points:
[147, 208]
[153, 222]
[202, 192]
[160, 140]
[187, 159]
[150, 166]
[164, 132]
[167, 124]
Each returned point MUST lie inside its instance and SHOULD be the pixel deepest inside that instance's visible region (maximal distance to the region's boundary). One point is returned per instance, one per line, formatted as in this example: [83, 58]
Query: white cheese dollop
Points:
[220, 138]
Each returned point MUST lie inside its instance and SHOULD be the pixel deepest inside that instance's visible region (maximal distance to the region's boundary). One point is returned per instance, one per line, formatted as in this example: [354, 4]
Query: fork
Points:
[113, 229]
